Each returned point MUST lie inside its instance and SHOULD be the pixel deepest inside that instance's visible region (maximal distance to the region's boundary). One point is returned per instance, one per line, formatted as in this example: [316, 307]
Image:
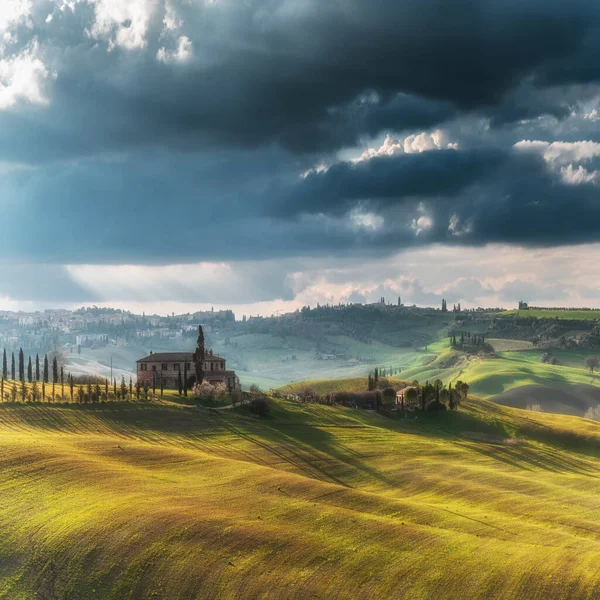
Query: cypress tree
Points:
[37, 367]
[46, 378]
[115, 387]
[179, 384]
[131, 388]
[71, 386]
[21, 365]
[4, 365]
[12, 366]
[106, 388]
[55, 370]
[29, 371]
[185, 377]
[62, 382]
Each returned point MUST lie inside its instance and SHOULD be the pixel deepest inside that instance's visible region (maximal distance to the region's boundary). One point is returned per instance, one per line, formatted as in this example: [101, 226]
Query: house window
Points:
[154, 367]
[176, 366]
[144, 366]
[165, 367]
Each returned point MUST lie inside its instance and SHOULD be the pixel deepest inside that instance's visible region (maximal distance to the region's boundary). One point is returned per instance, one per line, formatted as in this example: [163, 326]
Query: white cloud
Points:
[368, 221]
[123, 23]
[564, 156]
[389, 147]
[13, 12]
[578, 176]
[182, 54]
[422, 142]
[423, 223]
[562, 152]
[456, 228]
[21, 78]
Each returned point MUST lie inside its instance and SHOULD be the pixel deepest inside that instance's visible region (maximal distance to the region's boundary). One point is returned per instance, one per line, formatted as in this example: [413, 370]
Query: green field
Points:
[128, 501]
[583, 315]
[502, 345]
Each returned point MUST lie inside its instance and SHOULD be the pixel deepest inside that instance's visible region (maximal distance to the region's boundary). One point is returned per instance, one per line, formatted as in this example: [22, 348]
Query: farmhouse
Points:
[168, 365]
[402, 397]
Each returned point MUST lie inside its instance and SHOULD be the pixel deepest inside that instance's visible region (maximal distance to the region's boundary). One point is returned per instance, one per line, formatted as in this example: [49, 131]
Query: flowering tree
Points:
[203, 390]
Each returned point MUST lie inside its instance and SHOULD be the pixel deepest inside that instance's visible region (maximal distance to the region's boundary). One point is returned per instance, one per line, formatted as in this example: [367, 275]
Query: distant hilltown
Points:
[99, 327]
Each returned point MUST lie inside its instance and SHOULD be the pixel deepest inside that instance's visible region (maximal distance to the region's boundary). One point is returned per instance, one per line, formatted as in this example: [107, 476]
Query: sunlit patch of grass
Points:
[160, 501]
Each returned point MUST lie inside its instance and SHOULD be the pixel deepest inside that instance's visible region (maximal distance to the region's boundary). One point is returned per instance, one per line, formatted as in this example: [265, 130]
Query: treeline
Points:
[373, 379]
[414, 397]
[470, 341]
[94, 390]
[31, 370]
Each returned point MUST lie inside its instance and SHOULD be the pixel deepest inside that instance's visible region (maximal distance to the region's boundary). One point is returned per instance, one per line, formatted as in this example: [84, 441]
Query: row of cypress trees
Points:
[41, 373]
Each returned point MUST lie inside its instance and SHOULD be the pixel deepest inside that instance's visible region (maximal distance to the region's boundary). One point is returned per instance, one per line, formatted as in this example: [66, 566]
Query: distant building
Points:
[401, 396]
[92, 339]
[168, 365]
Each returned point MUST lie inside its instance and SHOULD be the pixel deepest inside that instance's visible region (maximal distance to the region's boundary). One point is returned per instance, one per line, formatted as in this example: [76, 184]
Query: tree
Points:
[46, 374]
[199, 355]
[71, 386]
[370, 383]
[411, 396]
[130, 388]
[185, 378]
[54, 369]
[388, 396]
[4, 365]
[12, 366]
[37, 367]
[21, 365]
[123, 388]
[592, 362]
[29, 371]
[179, 382]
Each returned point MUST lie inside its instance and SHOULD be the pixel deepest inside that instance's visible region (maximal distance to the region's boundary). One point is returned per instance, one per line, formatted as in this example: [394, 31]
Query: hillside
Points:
[567, 399]
[148, 501]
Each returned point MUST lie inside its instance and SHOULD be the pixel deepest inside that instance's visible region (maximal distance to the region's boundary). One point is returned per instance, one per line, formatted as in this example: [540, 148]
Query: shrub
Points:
[220, 390]
[435, 405]
[203, 390]
[254, 388]
[260, 407]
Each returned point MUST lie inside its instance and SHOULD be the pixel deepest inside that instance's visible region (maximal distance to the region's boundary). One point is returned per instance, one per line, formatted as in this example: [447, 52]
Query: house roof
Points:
[176, 357]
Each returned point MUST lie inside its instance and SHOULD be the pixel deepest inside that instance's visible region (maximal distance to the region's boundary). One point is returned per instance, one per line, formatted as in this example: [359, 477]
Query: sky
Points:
[172, 155]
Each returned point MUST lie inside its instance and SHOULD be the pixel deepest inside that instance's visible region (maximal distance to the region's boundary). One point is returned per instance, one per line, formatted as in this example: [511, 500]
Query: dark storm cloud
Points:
[386, 180]
[139, 157]
[309, 76]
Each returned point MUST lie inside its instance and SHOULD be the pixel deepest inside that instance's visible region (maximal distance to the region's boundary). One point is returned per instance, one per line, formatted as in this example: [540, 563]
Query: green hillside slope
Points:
[129, 501]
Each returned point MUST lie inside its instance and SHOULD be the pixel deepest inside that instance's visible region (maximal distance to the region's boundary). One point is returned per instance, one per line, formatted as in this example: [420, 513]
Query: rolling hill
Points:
[152, 501]
[567, 399]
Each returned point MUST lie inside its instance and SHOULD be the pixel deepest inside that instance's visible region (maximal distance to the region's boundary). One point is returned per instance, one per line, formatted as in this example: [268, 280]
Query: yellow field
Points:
[134, 501]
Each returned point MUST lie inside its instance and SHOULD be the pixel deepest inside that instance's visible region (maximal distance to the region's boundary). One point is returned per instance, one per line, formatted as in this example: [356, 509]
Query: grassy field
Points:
[585, 315]
[132, 502]
[502, 345]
